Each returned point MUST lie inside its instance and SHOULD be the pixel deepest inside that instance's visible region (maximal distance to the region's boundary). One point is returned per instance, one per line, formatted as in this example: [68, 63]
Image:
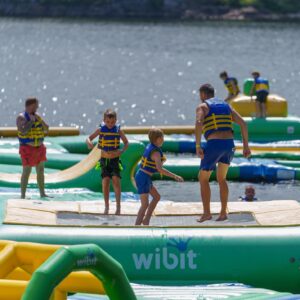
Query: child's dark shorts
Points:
[110, 167]
[262, 96]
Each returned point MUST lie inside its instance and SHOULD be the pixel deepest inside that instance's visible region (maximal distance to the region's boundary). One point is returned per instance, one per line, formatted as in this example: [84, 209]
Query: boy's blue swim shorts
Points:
[143, 182]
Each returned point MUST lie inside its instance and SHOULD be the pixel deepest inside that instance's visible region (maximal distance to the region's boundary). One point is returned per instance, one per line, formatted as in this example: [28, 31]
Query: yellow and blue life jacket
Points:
[109, 139]
[35, 134]
[261, 85]
[219, 117]
[229, 83]
[147, 163]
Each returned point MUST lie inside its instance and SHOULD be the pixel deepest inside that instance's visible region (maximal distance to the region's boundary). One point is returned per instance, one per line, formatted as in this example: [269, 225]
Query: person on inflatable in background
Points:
[261, 89]
[249, 194]
[110, 134]
[31, 132]
[215, 117]
[231, 85]
[151, 162]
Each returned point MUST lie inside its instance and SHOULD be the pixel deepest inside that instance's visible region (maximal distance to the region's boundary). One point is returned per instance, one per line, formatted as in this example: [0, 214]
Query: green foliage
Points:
[278, 6]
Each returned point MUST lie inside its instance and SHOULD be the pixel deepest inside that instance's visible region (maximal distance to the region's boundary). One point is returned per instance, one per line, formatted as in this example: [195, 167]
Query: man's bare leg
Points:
[117, 189]
[221, 177]
[263, 110]
[24, 180]
[258, 109]
[205, 194]
[144, 205]
[40, 176]
[105, 190]
[155, 199]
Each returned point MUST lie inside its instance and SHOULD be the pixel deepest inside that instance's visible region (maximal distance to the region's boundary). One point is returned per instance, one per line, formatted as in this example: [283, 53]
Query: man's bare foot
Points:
[222, 217]
[118, 211]
[106, 210]
[204, 218]
[46, 196]
[145, 222]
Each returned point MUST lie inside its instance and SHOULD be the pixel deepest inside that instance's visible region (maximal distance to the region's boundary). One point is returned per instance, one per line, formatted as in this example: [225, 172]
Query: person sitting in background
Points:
[31, 132]
[231, 85]
[110, 134]
[261, 89]
[249, 194]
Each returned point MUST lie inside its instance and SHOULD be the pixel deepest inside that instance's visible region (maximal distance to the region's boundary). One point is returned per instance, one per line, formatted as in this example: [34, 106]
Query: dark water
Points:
[149, 72]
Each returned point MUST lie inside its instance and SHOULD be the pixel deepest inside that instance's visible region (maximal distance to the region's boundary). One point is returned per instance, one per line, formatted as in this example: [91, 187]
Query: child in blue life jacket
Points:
[110, 134]
[249, 194]
[151, 162]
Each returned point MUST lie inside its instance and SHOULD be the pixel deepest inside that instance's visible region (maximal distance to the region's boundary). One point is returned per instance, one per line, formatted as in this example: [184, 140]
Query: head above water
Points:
[31, 105]
[250, 192]
[255, 74]
[206, 91]
[223, 75]
[156, 137]
[110, 118]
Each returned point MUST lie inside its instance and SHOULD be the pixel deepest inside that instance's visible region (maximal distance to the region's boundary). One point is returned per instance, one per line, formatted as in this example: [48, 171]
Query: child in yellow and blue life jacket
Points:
[110, 134]
[231, 85]
[151, 162]
[261, 89]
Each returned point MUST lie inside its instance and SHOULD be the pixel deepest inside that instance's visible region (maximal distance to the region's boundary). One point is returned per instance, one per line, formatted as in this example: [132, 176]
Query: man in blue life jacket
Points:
[261, 89]
[31, 133]
[231, 85]
[214, 117]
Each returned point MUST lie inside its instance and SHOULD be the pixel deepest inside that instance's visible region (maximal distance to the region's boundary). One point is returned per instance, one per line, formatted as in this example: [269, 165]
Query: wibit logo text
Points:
[167, 258]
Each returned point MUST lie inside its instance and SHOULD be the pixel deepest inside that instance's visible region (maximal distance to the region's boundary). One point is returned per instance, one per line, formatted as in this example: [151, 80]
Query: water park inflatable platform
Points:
[53, 131]
[260, 129]
[258, 244]
[276, 106]
[31, 271]
[167, 214]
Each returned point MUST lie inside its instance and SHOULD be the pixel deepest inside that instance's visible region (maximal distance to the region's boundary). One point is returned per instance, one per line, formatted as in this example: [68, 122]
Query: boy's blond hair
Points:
[154, 134]
[109, 113]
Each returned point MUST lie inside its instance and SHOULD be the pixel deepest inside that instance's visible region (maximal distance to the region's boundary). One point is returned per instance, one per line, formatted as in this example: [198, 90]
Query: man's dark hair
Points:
[30, 101]
[223, 74]
[255, 73]
[207, 89]
[110, 114]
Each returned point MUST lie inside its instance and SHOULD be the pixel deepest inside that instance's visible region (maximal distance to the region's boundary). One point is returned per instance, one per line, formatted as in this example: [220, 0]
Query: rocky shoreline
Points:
[138, 9]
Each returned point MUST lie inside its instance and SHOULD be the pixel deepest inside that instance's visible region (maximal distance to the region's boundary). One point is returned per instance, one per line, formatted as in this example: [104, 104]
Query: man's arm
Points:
[44, 124]
[252, 91]
[23, 125]
[236, 117]
[200, 115]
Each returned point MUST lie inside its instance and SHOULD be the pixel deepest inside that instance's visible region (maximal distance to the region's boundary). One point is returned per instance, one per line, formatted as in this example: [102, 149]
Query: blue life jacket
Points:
[244, 198]
[109, 139]
[229, 85]
[219, 117]
[35, 134]
[147, 163]
[261, 85]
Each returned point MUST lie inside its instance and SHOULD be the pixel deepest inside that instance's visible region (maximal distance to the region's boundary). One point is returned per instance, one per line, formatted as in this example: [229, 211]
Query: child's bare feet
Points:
[118, 211]
[222, 217]
[204, 217]
[106, 210]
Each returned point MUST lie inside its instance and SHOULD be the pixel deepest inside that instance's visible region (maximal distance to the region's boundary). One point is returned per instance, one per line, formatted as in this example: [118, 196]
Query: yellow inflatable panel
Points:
[19, 260]
[53, 131]
[276, 106]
